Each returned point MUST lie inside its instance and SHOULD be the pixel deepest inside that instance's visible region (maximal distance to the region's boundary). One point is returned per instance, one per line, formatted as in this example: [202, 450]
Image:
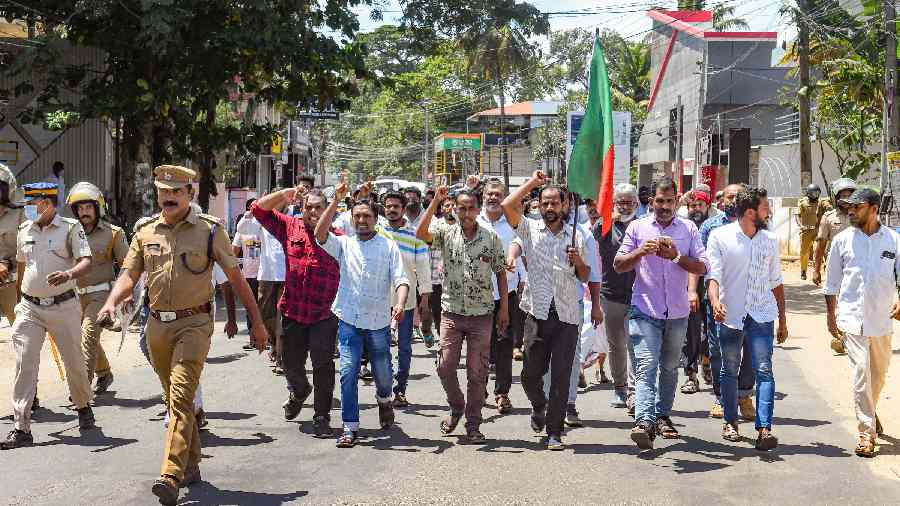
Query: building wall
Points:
[779, 169]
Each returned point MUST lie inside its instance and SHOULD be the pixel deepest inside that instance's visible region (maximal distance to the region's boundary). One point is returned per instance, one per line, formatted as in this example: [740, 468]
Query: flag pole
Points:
[574, 218]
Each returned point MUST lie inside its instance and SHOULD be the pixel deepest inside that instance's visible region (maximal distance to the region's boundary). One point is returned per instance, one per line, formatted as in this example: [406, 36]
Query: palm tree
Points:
[494, 54]
[724, 20]
[632, 72]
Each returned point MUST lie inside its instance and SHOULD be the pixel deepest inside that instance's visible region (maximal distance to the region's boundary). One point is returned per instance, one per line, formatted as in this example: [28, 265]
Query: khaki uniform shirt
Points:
[9, 230]
[179, 273]
[810, 213]
[833, 223]
[106, 253]
[469, 268]
[55, 247]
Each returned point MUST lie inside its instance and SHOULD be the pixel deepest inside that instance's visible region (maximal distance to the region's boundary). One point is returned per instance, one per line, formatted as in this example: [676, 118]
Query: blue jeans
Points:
[759, 338]
[746, 376]
[657, 349]
[378, 342]
[404, 351]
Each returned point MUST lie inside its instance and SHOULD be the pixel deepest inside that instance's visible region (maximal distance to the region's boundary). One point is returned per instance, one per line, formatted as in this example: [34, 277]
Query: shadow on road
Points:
[94, 437]
[110, 399]
[224, 359]
[776, 421]
[397, 440]
[797, 297]
[208, 494]
[228, 415]
[735, 452]
[210, 439]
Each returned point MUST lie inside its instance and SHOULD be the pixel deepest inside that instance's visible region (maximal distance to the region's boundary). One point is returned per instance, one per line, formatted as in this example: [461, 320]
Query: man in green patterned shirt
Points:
[472, 254]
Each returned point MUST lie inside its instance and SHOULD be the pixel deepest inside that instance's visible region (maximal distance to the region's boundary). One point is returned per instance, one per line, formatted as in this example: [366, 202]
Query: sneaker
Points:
[745, 406]
[538, 420]
[386, 414]
[555, 443]
[86, 418]
[766, 440]
[517, 354]
[400, 400]
[322, 427]
[582, 381]
[618, 400]
[103, 383]
[716, 411]
[365, 374]
[730, 432]
[429, 340]
[248, 347]
[292, 407]
[16, 439]
[572, 419]
[837, 346]
[642, 434]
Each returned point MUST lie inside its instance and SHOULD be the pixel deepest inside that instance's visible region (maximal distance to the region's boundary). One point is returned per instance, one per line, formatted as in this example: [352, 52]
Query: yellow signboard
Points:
[276, 145]
[893, 159]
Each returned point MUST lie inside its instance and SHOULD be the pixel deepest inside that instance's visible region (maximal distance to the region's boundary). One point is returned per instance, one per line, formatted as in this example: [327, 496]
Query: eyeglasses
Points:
[626, 203]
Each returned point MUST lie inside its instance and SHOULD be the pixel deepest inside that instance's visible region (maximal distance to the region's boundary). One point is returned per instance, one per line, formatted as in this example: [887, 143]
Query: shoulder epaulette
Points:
[210, 218]
[70, 221]
[144, 221]
[115, 228]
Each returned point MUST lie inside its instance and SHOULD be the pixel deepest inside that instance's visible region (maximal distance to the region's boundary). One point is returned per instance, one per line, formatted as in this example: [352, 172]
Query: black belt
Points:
[49, 301]
[170, 316]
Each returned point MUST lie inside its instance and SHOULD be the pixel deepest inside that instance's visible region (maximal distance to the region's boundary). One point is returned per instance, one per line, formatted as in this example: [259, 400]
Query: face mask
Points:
[31, 212]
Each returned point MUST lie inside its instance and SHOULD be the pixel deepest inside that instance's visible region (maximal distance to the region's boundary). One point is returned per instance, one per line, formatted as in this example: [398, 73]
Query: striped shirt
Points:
[551, 279]
[416, 260]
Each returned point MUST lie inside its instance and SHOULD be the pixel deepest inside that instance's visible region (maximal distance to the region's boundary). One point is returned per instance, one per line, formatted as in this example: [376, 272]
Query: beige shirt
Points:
[833, 223]
[10, 219]
[55, 247]
[179, 273]
[106, 252]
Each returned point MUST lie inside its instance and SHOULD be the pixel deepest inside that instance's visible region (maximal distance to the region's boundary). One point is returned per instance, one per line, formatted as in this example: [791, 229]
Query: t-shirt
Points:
[250, 249]
[615, 287]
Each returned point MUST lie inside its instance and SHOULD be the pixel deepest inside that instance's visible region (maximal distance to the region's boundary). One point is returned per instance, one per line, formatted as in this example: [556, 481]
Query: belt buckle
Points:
[167, 316]
[45, 301]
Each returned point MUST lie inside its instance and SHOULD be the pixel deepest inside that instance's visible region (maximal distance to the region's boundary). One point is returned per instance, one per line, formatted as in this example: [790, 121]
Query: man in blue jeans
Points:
[662, 249]
[747, 295]
[370, 269]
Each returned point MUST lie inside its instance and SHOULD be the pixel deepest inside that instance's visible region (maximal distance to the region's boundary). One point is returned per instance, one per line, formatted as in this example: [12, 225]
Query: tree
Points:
[494, 55]
[167, 65]
[724, 20]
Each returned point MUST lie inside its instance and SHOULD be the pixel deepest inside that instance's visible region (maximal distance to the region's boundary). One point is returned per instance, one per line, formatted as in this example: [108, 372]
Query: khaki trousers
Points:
[32, 324]
[8, 302]
[94, 357]
[269, 295]
[870, 358]
[178, 351]
[807, 241]
[476, 331]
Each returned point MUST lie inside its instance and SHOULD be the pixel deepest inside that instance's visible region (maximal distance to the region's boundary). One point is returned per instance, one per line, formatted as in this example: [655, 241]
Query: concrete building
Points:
[729, 94]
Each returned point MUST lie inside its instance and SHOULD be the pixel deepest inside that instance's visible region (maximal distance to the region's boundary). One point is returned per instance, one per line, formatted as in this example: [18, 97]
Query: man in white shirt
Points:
[861, 278]
[247, 247]
[747, 295]
[370, 267]
[270, 280]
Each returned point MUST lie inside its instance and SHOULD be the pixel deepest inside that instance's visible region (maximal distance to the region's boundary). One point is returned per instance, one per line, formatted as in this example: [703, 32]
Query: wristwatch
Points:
[676, 259]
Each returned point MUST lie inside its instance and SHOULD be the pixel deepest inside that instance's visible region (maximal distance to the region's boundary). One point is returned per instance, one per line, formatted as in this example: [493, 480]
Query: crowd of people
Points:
[689, 281]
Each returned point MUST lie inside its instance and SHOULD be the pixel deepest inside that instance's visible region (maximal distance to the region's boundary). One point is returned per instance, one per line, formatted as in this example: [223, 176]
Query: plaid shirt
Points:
[312, 276]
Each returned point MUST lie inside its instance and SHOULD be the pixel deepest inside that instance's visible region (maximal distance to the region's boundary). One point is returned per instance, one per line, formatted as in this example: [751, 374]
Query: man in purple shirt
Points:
[662, 249]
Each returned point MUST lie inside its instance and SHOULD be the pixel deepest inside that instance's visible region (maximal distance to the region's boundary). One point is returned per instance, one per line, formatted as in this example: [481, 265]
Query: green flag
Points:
[590, 171]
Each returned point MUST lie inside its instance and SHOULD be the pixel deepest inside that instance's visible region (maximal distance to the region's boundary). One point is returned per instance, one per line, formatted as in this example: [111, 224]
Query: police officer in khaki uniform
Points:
[11, 216]
[108, 248]
[812, 208]
[52, 252]
[833, 223]
[177, 249]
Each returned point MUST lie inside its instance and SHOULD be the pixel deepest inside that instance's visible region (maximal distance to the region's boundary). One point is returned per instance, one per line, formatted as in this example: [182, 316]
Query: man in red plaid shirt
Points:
[310, 285]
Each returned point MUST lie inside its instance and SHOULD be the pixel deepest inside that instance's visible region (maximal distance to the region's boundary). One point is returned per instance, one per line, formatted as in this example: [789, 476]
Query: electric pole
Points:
[803, 96]
[427, 142]
[891, 112]
[679, 156]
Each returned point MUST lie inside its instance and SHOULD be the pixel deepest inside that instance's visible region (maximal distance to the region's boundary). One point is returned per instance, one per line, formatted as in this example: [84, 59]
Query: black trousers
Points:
[502, 345]
[254, 287]
[692, 343]
[435, 303]
[317, 341]
[549, 342]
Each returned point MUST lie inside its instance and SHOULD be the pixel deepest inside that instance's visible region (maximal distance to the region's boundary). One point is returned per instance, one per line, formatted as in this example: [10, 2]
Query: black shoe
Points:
[166, 489]
[572, 419]
[643, 435]
[294, 404]
[322, 427]
[803, 275]
[249, 347]
[386, 414]
[365, 374]
[202, 422]
[538, 420]
[16, 439]
[86, 418]
[555, 443]
[35, 404]
[103, 383]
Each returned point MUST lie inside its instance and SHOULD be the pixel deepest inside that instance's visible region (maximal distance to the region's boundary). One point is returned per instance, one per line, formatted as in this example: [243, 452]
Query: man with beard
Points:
[108, 250]
[615, 296]
[370, 267]
[747, 295]
[810, 211]
[417, 264]
[662, 249]
[310, 285]
[556, 270]
[177, 249]
[51, 253]
[833, 223]
[644, 197]
[473, 255]
[502, 340]
[746, 379]
[698, 209]
[863, 267]
[413, 208]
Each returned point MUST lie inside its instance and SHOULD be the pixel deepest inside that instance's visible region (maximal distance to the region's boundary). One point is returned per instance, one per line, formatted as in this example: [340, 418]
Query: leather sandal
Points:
[865, 446]
[449, 423]
[166, 489]
[347, 439]
[503, 403]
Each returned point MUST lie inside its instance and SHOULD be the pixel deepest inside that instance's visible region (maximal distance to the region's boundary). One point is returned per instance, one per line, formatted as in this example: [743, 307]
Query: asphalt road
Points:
[252, 456]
